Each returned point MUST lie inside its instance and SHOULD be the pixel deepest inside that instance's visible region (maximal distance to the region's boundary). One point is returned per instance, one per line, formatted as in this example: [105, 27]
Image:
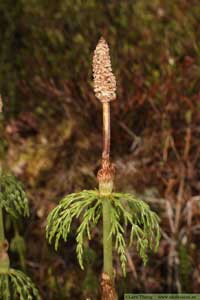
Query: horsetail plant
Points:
[118, 210]
[14, 284]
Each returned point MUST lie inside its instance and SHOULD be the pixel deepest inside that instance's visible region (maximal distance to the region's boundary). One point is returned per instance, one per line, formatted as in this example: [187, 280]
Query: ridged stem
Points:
[4, 259]
[107, 239]
[106, 131]
[2, 234]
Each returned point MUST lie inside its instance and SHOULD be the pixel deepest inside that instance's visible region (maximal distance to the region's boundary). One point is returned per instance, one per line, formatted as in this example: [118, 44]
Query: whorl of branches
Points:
[127, 211]
[12, 196]
[14, 284]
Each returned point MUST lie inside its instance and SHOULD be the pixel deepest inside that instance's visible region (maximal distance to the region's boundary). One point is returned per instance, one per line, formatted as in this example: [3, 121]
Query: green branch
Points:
[21, 285]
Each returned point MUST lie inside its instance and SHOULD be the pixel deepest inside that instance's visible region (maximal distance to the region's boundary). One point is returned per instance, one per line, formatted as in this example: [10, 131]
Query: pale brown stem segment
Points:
[106, 132]
[106, 173]
[107, 288]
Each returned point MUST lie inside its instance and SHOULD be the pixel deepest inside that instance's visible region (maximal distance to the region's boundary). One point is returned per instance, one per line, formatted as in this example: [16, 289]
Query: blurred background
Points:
[52, 132]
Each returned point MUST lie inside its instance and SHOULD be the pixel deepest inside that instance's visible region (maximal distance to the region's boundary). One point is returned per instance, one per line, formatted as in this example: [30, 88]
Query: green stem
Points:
[107, 239]
[2, 234]
[4, 258]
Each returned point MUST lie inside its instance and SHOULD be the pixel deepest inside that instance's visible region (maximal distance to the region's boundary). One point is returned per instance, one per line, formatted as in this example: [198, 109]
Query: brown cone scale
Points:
[104, 80]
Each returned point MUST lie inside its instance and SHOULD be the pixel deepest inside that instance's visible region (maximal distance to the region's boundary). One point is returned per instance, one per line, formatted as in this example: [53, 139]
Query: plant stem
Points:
[106, 131]
[2, 234]
[106, 183]
[105, 178]
[107, 239]
[105, 90]
[4, 258]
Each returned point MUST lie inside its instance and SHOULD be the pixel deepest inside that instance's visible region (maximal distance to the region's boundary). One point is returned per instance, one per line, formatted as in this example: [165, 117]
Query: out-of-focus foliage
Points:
[21, 286]
[53, 127]
[12, 197]
[17, 245]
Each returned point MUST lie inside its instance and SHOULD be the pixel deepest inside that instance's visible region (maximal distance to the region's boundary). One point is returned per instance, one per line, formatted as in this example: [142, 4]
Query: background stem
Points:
[107, 239]
[2, 235]
[4, 259]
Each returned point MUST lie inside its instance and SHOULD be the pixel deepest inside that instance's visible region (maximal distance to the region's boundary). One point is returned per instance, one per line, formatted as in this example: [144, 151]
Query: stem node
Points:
[107, 288]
